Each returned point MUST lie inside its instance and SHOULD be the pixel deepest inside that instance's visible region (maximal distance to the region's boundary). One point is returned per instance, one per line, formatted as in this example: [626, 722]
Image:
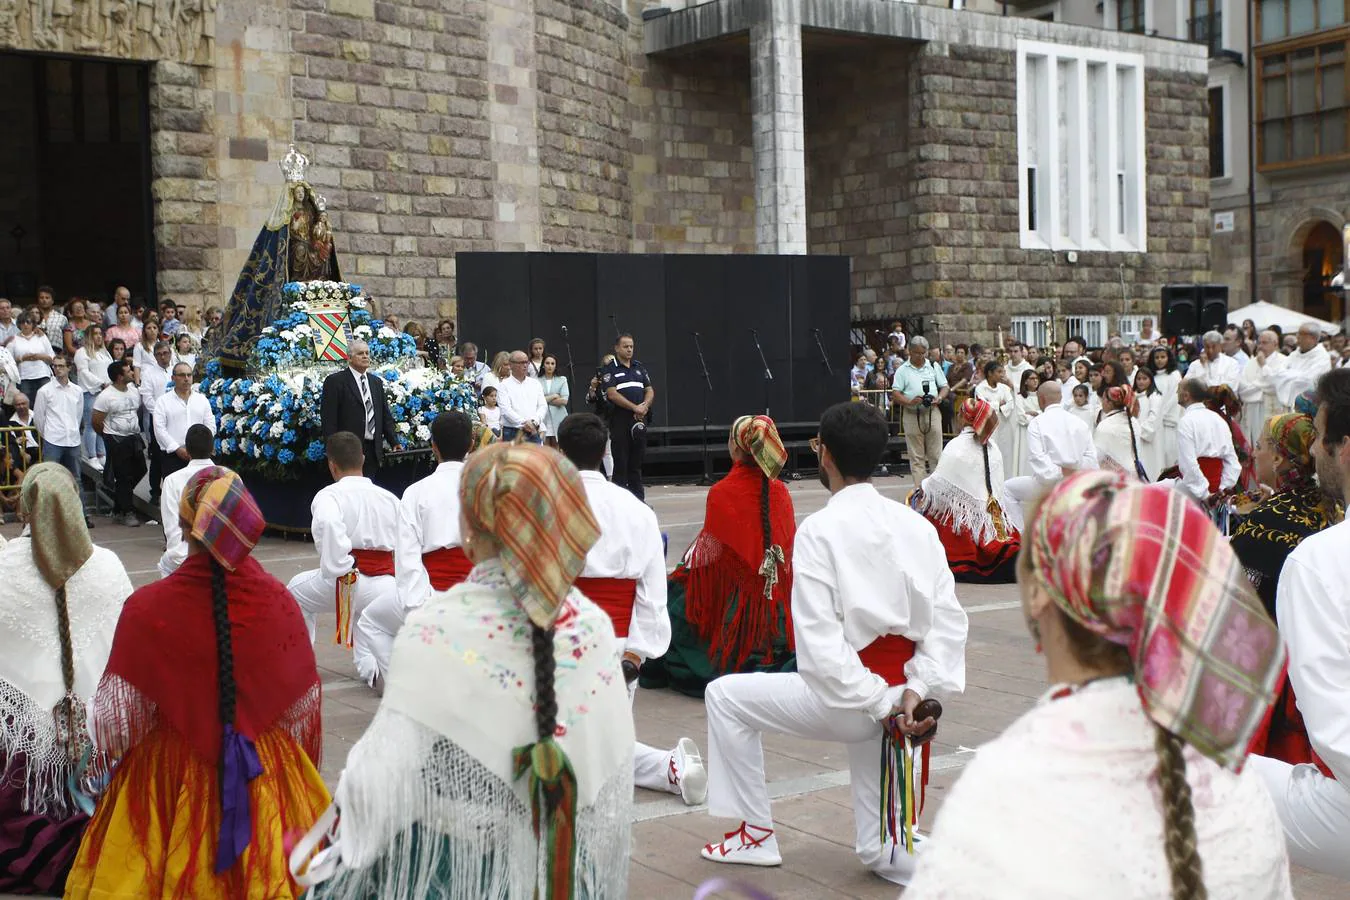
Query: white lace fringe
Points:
[952, 506]
[33, 750]
[402, 774]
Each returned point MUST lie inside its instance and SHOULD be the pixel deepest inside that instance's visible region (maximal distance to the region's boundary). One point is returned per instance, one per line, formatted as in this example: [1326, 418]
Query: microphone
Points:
[695, 334]
[564, 331]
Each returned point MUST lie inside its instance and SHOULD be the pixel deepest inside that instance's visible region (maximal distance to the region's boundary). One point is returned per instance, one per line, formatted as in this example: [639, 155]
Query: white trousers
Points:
[1019, 492]
[741, 707]
[373, 636]
[652, 767]
[315, 594]
[1315, 813]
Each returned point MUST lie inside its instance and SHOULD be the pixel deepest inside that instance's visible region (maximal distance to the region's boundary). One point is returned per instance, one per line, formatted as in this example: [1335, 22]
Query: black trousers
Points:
[157, 472]
[127, 465]
[372, 450]
[170, 463]
[628, 451]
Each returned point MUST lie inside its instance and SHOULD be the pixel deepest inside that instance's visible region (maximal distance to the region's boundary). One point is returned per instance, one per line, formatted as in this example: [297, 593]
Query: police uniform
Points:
[628, 444]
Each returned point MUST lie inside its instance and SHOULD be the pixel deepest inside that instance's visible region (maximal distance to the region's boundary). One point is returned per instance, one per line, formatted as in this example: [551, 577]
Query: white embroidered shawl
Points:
[956, 494]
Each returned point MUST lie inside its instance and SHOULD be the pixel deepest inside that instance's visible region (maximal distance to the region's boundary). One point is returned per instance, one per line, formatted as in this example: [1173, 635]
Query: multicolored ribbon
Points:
[899, 811]
[343, 600]
[553, 803]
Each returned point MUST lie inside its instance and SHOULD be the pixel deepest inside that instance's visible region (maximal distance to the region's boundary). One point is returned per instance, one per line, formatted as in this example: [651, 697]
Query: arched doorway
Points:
[1323, 259]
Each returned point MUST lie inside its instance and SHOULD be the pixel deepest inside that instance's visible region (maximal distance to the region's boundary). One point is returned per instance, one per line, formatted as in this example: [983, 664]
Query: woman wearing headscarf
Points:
[211, 702]
[1128, 771]
[729, 599]
[59, 603]
[1117, 445]
[499, 763]
[1295, 509]
[964, 500]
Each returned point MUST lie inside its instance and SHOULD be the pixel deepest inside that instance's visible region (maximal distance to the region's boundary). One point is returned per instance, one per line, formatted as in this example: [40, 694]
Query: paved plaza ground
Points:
[809, 780]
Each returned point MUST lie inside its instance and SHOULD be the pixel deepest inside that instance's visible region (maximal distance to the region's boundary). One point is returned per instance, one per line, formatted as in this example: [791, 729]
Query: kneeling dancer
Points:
[864, 656]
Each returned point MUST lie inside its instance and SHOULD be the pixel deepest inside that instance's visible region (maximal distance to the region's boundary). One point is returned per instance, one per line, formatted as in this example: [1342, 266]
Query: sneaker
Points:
[88, 522]
[688, 777]
[131, 521]
[749, 845]
[96, 462]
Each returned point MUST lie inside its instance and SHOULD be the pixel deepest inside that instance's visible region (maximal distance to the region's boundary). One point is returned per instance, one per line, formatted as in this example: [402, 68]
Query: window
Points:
[1280, 19]
[1218, 139]
[1206, 24]
[1080, 134]
[1130, 15]
[1092, 328]
[1302, 106]
[1034, 331]
[1130, 328]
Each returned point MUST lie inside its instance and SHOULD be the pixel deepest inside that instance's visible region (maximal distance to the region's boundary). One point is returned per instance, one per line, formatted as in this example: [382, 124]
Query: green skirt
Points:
[686, 667]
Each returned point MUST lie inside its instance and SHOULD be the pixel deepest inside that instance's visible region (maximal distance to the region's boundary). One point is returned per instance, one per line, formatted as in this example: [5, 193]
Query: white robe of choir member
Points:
[1013, 372]
[837, 611]
[170, 495]
[1087, 414]
[1004, 401]
[1148, 432]
[1222, 369]
[1203, 433]
[428, 520]
[1115, 449]
[1257, 392]
[1057, 444]
[1313, 606]
[630, 548]
[1300, 373]
[1028, 408]
[353, 513]
[1169, 416]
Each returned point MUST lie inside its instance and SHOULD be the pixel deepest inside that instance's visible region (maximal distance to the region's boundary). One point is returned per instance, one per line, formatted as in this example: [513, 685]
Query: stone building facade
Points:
[886, 131]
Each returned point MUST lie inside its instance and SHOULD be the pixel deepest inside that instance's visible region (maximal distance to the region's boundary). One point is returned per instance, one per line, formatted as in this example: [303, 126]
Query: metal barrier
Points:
[882, 400]
[12, 437]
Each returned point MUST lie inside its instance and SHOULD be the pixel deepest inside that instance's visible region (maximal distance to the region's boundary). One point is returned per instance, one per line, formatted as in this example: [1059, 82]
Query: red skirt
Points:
[993, 562]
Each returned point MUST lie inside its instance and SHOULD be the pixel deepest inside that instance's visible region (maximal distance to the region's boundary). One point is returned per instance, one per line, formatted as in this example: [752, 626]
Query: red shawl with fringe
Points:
[724, 562]
[163, 663]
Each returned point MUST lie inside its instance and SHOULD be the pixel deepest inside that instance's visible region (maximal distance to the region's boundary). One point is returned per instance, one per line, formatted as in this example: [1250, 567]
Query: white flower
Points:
[277, 430]
[238, 404]
[358, 302]
[288, 335]
[403, 427]
[255, 388]
[258, 427]
[362, 331]
[304, 330]
[269, 330]
[387, 333]
[275, 409]
[299, 306]
[423, 433]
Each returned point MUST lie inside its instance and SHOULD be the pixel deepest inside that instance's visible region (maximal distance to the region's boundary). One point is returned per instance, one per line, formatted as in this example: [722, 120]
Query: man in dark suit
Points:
[353, 400]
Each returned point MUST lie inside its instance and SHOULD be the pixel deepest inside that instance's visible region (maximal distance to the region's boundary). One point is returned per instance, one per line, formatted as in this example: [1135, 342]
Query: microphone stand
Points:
[768, 373]
[571, 369]
[707, 478]
[824, 359]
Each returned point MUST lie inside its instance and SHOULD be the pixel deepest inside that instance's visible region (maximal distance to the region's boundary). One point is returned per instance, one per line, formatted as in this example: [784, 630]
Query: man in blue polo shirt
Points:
[628, 388]
[918, 388]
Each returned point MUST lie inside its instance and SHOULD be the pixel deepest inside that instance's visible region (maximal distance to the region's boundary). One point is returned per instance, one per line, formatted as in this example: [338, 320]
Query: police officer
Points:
[629, 391]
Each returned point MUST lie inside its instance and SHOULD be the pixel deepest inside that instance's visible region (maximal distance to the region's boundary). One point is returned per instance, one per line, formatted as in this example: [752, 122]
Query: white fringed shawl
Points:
[459, 697]
[956, 495]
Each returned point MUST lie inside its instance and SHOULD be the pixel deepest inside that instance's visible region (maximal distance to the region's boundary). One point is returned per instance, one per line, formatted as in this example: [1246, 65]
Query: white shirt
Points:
[1170, 411]
[119, 409]
[1214, 372]
[1112, 440]
[92, 371]
[173, 416]
[852, 585]
[363, 391]
[31, 422]
[1313, 605]
[1085, 414]
[1057, 441]
[428, 519]
[171, 493]
[1240, 357]
[353, 513]
[1203, 432]
[1258, 384]
[1014, 372]
[630, 547]
[35, 343]
[154, 383]
[142, 357]
[59, 411]
[1300, 373]
[475, 373]
[521, 401]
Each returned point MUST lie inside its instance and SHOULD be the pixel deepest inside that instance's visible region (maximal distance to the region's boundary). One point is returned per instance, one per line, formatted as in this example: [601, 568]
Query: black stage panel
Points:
[696, 302]
[562, 292]
[758, 304]
[632, 289]
[820, 290]
[498, 316]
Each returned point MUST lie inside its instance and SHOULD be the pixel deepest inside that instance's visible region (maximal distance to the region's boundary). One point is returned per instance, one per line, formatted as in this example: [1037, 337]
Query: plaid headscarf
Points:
[219, 512]
[979, 415]
[1291, 436]
[50, 504]
[1122, 395]
[531, 500]
[758, 436]
[1143, 567]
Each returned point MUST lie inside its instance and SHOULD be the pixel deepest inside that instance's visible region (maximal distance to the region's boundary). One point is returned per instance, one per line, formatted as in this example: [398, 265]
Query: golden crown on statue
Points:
[293, 165]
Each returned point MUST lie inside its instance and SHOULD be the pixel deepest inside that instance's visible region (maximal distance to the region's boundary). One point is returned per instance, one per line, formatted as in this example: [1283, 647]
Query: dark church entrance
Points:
[75, 207]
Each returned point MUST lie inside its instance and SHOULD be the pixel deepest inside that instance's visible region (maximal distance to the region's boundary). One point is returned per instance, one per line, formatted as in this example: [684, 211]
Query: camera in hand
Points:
[927, 396]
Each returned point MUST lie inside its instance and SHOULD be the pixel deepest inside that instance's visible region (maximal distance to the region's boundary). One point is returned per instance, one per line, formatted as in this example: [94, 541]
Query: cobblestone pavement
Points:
[809, 780]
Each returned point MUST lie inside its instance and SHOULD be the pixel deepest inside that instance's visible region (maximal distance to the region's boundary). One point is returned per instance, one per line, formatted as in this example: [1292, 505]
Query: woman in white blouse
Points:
[184, 350]
[1028, 408]
[91, 373]
[144, 352]
[33, 352]
[556, 395]
[998, 394]
[501, 370]
[1148, 423]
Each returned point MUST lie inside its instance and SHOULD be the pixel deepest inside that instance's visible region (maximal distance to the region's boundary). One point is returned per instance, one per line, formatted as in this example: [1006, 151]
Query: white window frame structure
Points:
[1034, 331]
[1091, 169]
[1087, 327]
[1130, 327]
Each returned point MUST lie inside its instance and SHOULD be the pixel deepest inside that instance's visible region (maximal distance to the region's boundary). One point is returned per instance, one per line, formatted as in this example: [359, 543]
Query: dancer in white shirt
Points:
[864, 656]
[1057, 445]
[625, 575]
[428, 554]
[355, 528]
[520, 397]
[1115, 438]
[1257, 388]
[174, 413]
[199, 441]
[1213, 367]
[1313, 607]
[1205, 454]
[1303, 367]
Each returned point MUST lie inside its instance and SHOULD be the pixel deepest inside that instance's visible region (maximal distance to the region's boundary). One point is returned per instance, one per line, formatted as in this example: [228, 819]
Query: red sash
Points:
[886, 656]
[1212, 468]
[374, 562]
[446, 567]
[615, 596]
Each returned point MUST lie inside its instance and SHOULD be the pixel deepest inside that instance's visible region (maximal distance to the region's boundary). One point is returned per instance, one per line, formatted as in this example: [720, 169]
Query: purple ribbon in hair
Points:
[239, 765]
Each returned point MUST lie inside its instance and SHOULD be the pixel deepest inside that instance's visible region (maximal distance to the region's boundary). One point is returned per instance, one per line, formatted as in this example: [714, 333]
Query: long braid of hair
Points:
[67, 705]
[545, 699]
[1179, 838]
[1134, 444]
[988, 484]
[764, 513]
[224, 652]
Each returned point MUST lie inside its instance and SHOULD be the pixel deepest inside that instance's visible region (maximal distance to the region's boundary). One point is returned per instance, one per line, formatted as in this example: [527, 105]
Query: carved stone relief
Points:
[179, 30]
